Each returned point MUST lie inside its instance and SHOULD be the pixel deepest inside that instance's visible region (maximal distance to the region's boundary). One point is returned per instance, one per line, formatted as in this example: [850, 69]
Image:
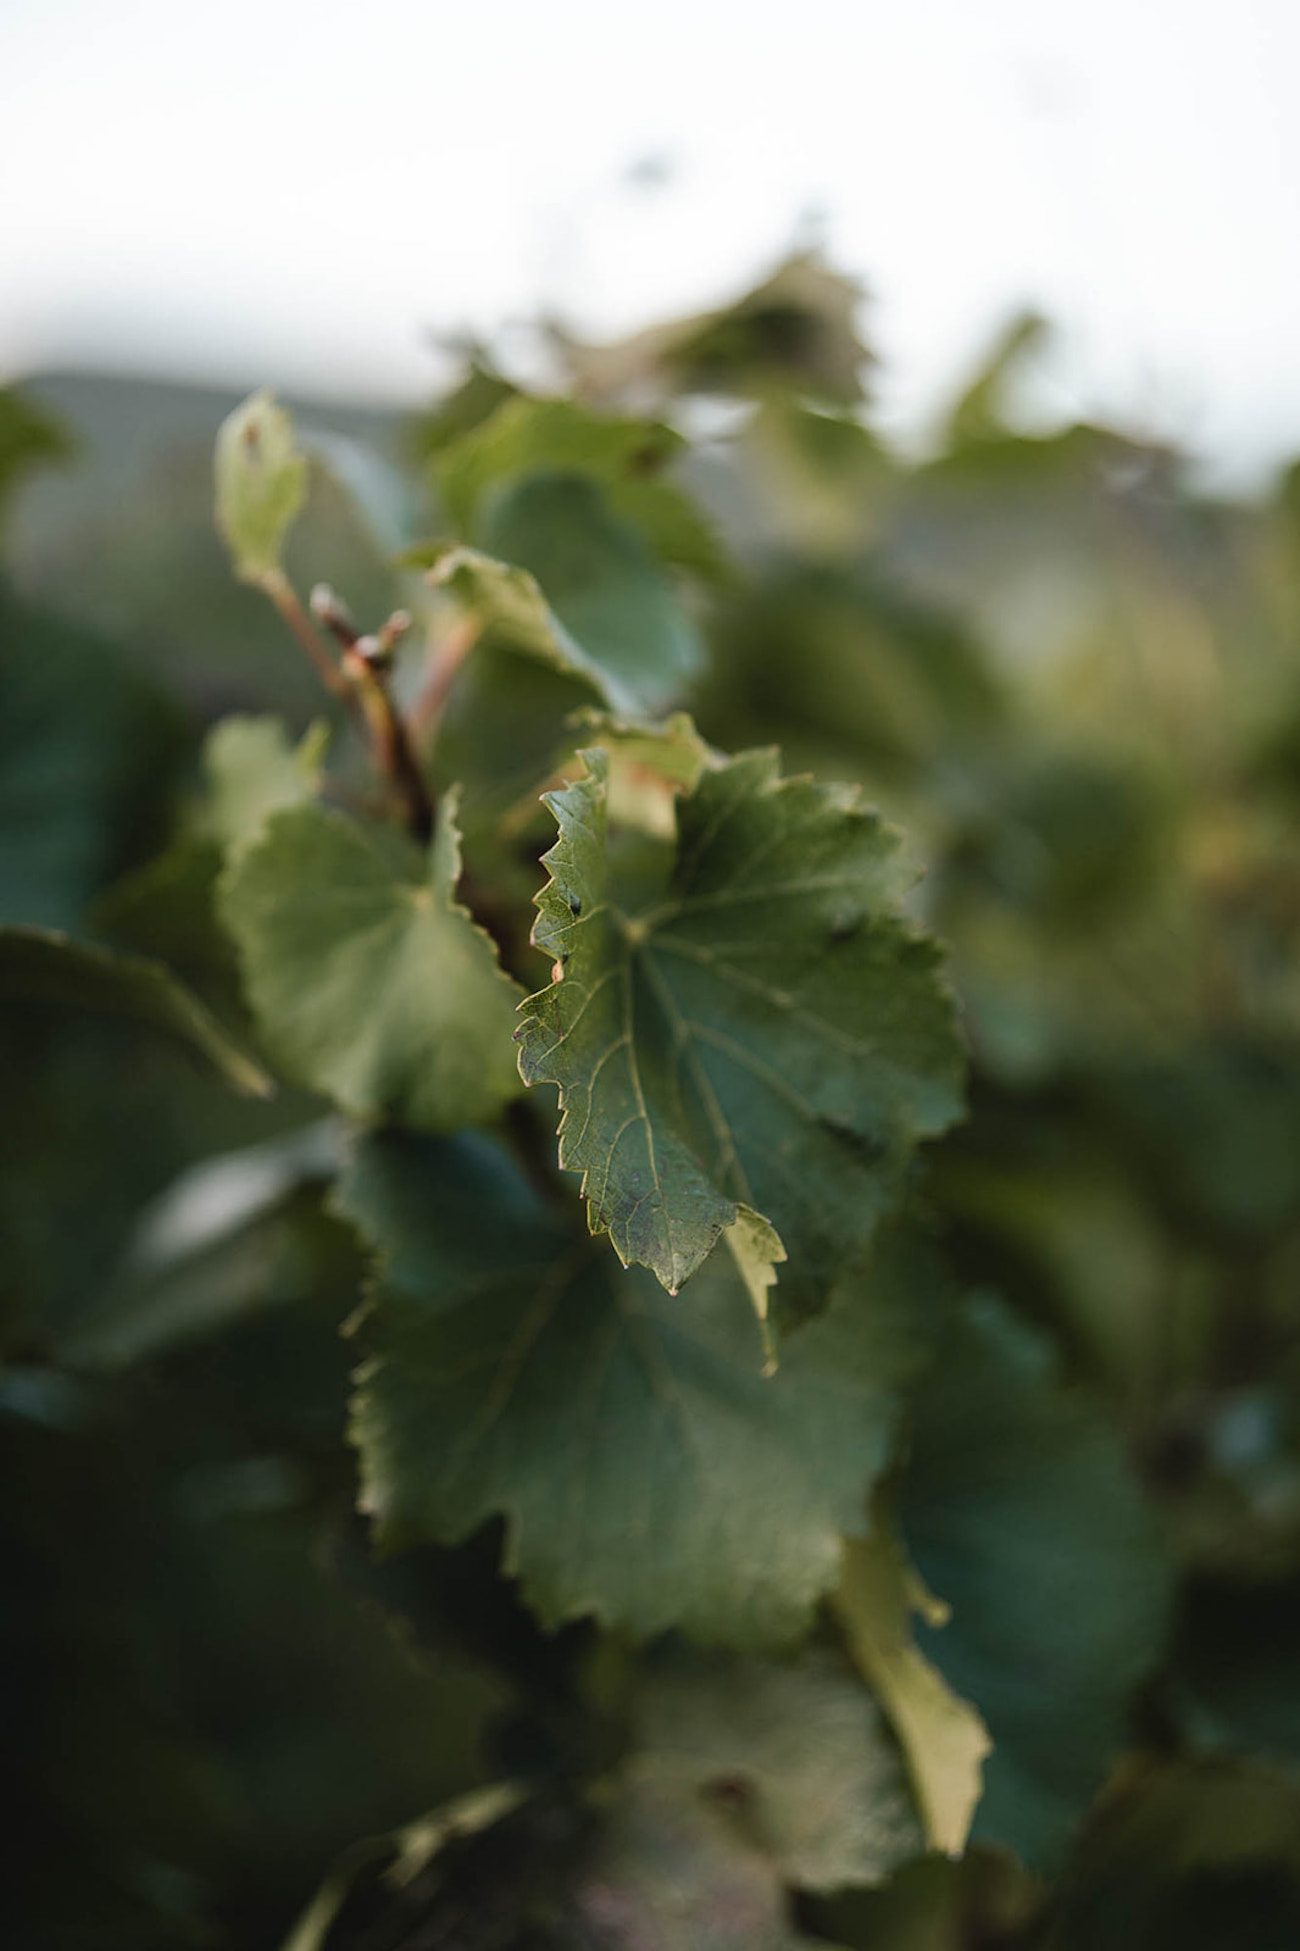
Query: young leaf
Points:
[253, 771]
[602, 581]
[38, 965]
[566, 580]
[261, 483]
[795, 330]
[511, 605]
[944, 1739]
[626, 456]
[369, 981]
[748, 1023]
[648, 1470]
[649, 765]
[1018, 1507]
[524, 436]
[672, 748]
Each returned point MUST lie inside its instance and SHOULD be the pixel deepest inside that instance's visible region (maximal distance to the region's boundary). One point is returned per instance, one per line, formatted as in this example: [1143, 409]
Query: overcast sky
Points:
[299, 191]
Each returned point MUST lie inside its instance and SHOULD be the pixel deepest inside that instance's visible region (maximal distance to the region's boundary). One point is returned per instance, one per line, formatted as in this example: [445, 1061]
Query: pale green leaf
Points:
[370, 983]
[672, 747]
[600, 578]
[41, 966]
[649, 765]
[524, 436]
[564, 579]
[944, 1739]
[261, 484]
[744, 1021]
[252, 772]
[648, 1470]
[757, 1251]
[795, 330]
[626, 456]
[510, 603]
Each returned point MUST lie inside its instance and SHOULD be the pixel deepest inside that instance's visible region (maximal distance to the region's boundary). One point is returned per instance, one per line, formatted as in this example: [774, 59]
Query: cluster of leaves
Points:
[532, 1278]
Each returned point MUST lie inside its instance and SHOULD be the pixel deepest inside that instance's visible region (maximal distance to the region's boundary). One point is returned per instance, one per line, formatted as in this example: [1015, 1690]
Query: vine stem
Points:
[445, 659]
[364, 671]
[282, 593]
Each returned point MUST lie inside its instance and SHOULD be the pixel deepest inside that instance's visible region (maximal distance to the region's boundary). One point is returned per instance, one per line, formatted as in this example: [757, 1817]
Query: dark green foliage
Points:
[639, 1563]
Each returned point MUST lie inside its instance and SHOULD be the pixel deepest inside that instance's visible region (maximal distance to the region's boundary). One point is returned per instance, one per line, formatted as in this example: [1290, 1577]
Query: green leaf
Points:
[525, 436]
[582, 592]
[600, 578]
[369, 981]
[649, 765]
[1019, 1508]
[87, 751]
[647, 1468]
[796, 330]
[844, 659]
[38, 965]
[232, 1236]
[978, 415]
[673, 748]
[1187, 1856]
[252, 772]
[625, 456]
[944, 1739]
[747, 1022]
[457, 413]
[261, 483]
[510, 603]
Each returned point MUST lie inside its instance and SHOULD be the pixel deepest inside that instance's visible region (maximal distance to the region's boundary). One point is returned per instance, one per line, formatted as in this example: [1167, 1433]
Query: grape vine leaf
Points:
[524, 436]
[369, 981]
[253, 771]
[480, 392]
[87, 743]
[747, 1022]
[649, 765]
[1019, 1508]
[601, 579]
[516, 1369]
[44, 967]
[166, 908]
[944, 1739]
[261, 485]
[626, 456]
[562, 578]
[796, 330]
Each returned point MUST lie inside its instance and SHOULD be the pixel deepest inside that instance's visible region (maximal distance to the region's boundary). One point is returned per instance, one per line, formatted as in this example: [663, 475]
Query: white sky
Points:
[298, 191]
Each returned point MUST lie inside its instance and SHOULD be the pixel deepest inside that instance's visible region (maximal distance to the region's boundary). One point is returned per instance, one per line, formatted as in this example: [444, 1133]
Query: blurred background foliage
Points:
[1075, 682]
